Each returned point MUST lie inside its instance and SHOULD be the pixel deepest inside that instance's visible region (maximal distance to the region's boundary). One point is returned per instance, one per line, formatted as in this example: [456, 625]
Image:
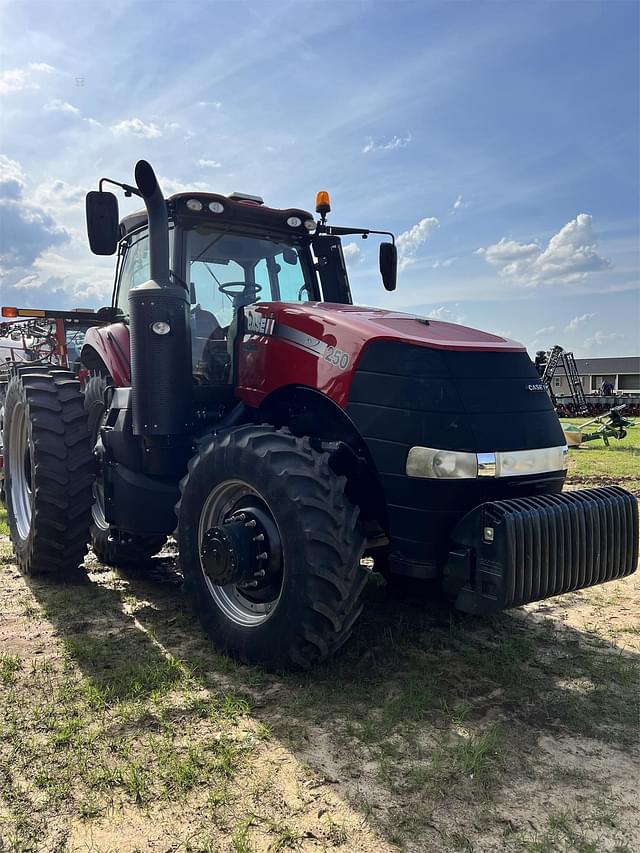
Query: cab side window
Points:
[289, 277]
[135, 269]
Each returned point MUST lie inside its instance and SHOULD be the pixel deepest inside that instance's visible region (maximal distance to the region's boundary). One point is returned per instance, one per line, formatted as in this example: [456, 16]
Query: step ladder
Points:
[557, 357]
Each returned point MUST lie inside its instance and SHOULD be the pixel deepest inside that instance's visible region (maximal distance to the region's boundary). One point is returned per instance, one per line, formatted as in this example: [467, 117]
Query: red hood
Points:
[319, 344]
[369, 324]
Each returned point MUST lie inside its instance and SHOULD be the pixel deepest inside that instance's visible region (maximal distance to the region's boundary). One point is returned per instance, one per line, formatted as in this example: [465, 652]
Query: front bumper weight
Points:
[512, 552]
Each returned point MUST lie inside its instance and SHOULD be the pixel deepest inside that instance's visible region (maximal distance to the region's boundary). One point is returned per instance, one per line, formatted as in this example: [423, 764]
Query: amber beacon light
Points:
[323, 203]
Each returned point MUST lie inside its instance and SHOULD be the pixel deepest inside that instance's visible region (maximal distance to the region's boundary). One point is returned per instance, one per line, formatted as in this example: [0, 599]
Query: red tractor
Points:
[238, 400]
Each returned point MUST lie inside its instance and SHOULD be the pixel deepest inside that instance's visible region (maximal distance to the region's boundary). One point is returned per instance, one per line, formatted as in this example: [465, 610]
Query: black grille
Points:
[517, 551]
[404, 395]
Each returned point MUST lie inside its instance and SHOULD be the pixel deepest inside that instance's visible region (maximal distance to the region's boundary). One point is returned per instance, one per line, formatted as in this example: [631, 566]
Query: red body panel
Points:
[318, 345]
[113, 345]
[314, 344]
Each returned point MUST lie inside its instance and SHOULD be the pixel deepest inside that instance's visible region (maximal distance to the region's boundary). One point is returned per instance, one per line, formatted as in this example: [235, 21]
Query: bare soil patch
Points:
[121, 729]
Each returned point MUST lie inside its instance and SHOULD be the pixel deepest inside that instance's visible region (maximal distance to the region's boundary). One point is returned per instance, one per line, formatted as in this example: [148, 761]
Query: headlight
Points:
[441, 464]
[437, 464]
[530, 461]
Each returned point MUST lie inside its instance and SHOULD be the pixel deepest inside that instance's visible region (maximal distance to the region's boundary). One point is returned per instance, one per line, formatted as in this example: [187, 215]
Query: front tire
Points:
[49, 470]
[297, 602]
[127, 551]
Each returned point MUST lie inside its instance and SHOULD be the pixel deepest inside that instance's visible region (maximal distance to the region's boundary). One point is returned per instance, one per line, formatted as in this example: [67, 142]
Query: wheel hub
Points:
[245, 550]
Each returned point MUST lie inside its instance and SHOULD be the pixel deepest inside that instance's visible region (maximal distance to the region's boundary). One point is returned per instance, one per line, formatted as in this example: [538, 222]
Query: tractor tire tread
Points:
[330, 567]
[59, 534]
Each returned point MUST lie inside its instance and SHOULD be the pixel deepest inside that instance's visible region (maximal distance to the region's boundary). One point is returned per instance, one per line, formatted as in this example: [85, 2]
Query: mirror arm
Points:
[128, 189]
[339, 231]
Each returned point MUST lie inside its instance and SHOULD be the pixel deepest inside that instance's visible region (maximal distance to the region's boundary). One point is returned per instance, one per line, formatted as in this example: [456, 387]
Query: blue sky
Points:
[499, 140]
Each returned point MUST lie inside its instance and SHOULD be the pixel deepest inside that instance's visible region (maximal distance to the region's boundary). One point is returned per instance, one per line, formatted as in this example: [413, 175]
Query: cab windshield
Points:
[228, 271]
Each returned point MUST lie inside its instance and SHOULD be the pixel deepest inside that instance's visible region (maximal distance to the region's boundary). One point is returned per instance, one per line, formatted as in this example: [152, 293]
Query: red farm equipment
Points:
[238, 400]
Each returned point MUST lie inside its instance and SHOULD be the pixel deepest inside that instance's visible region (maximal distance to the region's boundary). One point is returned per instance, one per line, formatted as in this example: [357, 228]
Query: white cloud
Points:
[386, 145]
[600, 338]
[136, 127]
[445, 315]
[12, 178]
[170, 186]
[570, 256]
[410, 241]
[351, 250]
[460, 203]
[578, 321]
[18, 79]
[209, 164]
[442, 264]
[92, 122]
[43, 67]
[546, 330]
[29, 282]
[58, 106]
[59, 194]
[215, 104]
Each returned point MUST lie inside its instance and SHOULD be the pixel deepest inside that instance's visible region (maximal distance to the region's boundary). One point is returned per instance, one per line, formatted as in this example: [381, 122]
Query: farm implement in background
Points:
[38, 336]
[611, 424]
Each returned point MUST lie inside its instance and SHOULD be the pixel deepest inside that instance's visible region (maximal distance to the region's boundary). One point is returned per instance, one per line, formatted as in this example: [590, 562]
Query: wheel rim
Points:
[20, 467]
[97, 509]
[247, 607]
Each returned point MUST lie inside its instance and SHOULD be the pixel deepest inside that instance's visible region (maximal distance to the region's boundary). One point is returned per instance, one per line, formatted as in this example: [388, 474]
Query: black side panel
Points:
[160, 364]
[404, 395]
[140, 504]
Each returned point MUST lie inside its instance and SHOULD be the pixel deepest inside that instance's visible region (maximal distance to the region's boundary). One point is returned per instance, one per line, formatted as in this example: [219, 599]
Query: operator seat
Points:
[204, 326]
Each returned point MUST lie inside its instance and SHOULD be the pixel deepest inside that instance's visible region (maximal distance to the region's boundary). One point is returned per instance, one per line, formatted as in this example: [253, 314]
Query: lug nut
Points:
[259, 537]
[262, 556]
[251, 523]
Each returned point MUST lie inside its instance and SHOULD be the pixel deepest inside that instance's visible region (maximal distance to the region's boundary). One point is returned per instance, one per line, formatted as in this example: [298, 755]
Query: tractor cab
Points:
[225, 253]
[228, 253]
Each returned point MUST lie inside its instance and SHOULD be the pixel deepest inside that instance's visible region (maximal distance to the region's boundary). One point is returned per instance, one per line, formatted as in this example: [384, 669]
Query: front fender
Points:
[107, 348]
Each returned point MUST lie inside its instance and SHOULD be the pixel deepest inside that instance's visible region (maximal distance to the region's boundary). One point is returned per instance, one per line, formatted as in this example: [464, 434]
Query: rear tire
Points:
[306, 606]
[49, 470]
[107, 545]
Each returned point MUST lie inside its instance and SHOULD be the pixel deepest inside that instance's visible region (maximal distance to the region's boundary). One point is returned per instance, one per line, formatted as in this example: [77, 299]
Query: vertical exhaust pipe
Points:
[161, 374]
[149, 187]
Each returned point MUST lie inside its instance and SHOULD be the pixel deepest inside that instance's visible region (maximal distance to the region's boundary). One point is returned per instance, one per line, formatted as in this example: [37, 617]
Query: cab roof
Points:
[243, 211]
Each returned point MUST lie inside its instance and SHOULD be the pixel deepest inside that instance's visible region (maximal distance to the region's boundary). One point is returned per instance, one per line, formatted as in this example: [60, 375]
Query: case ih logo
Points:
[257, 322]
[535, 386]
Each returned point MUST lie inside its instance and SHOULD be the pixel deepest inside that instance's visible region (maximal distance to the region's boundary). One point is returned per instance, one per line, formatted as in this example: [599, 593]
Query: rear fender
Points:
[107, 350]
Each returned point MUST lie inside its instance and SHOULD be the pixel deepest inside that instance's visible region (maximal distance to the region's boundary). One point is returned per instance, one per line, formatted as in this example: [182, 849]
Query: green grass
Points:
[131, 708]
[594, 460]
[4, 524]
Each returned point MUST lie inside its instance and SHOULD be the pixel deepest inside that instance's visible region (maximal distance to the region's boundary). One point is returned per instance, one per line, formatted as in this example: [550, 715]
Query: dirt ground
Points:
[121, 729]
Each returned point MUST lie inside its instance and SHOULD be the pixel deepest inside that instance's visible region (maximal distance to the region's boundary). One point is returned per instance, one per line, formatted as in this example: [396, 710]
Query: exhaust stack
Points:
[147, 183]
[161, 375]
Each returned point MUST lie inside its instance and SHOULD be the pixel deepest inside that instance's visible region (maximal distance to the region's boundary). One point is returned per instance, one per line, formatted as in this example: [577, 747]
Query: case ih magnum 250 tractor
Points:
[238, 400]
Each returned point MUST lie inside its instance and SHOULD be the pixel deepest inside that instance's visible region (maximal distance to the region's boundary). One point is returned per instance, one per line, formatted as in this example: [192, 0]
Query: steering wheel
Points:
[247, 288]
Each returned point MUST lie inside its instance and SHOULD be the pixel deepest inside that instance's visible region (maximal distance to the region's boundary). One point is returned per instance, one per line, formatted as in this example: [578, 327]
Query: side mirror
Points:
[102, 222]
[389, 265]
[109, 314]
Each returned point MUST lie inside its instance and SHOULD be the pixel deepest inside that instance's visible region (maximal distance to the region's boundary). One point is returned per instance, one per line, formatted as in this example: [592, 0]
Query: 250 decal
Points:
[337, 357]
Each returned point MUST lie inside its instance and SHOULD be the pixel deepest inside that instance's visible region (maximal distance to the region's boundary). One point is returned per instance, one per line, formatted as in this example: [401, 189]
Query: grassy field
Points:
[123, 731]
[595, 463]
